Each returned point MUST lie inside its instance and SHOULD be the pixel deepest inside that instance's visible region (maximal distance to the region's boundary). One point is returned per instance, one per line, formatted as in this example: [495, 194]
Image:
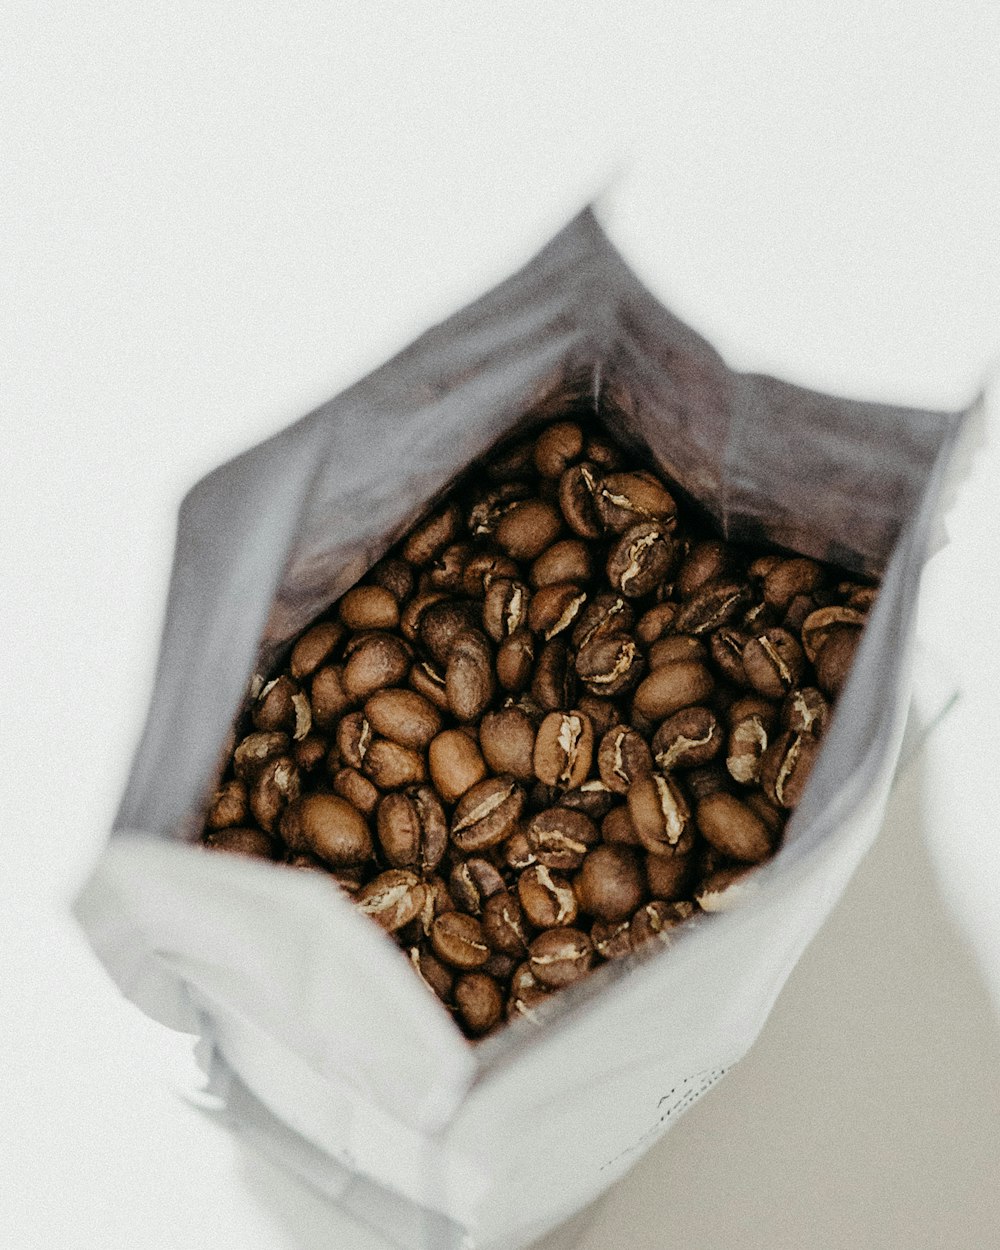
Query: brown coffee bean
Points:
[403, 716]
[603, 616]
[351, 785]
[714, 605]
[733, 828]
[726, 649]
[593, 798]
[487, 814]
[379, 661]
[330, 828]
[805, 711]
[369, 607]
[547, 898]
[610, 666]
[394, 575]
[458, 940]
[610, 885]
[256, 750]
[511, 462]
[641, 559]
[274, 711]
[565, 561]
[434, 974]
[560, 956]
[555, 608]
[315, 648]
[353, 738]
[611, 939]
[526, 995]
[617, 828]
[504, 924]
[484, 568]
[603, 714]
[393, 899]
[230, 805]
[479, 1002]
[442, 623]
[724, 889]
[669, 877]
[276, 785]
[861, 598]
[624, 499]
[553, 685]
[412, 615]
[622, 757]
[448, 570]
[707, 561]
[391, 766]
[515, 657]
[560, 837]
[507, 741]
[428, 681]
[455, 764]
[528, 528]
[557, 447]
[675, 648]
[789, 578]
[786, 766]
[774, 662]
[240, 841]
[668, 689]
[412, 828]
[748, 739]
[469, 676]
[655, 922]
[797, 612]
[835, 659]
[310, 753]
[687, 739]
[489, 509]
[607, 456]
[505, 608]
[660, 815]
[517, 853]
[564, 748]
[428, 539]
[472, 882]
[577, 499]
[655, 622]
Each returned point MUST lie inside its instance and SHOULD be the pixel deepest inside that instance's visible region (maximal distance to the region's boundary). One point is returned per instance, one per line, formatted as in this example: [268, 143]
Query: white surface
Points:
[215, 217]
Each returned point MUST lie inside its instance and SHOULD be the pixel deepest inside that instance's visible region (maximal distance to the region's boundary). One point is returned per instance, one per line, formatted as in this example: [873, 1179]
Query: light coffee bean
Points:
[611, 939]
[310, 752]
[391, 766]
[351, 785]
[557, 447]
[276, 785]
[673, 686]
[565, 561]
[805, 711]
[786, 766]
[593, 798]
[788, 578]
[515, 657]
[564, 749]
[487, 814]
[393, 899]
[560, 837]
[726, 647]
[725, 889]
[458, 940]
[603, 714]
[403, 716]
[748, 740]
[517, 853]
[369, 607]
[547, 898]
[528, 528]
[438, 978]
[472, 882]
[622, 758]
[688, 739]
[353, 738]
[660, 815]
[655, 922]
[427, 680]
[230, 805]
[479, 1002]
[412, 615]
[456, 764]
[560, 956]
[504, 924]
[330, 828]
[733, 828]
[448, 570]
[610, 885]
[507, 741]
[774, 662]
[412, 828]
[489, 508]
[379, 661]
[256, 750]
[674, 648]
[315, 648]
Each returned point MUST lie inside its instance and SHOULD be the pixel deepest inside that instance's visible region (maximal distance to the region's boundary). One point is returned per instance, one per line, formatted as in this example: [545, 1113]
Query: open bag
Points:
[328, 1049]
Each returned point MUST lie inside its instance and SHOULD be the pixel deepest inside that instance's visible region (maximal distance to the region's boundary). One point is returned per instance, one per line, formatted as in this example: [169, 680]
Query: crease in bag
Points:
[330, 1053]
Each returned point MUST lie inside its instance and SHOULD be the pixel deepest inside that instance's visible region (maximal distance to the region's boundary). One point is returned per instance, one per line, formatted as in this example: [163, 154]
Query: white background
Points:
[216, 215]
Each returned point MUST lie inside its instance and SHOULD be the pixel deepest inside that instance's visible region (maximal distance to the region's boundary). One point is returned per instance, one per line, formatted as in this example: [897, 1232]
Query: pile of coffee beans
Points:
[552, 724]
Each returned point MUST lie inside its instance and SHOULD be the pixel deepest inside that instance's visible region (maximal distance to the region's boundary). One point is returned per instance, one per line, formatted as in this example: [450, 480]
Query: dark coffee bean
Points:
[577, 495]
[726, 649]
[443, 622]
[484, 568]
[624, 499]
[351, 785]
[565, 561]
[603, 713]
[436, 975]
[611, 939]
[673, 686]
[353, 738]
[428, 539]
[674, 648]
[488, 510]
[554, 609]
[274, 711]
[240, 841]
[369, 607]
[707, 561]
[669, 877]
[785, 768]
[515, 657]
[603, 616]
[378, 662]
[617, 828]
[276, 785]
[789, 578]
[472, 882]
[774, 662]
[660, 815]
[394, 575]
[835, 659]
[726, 823]
[310, 753]
[557, 447]
[391, 766]
[412, 615]
[593, 798]
[256, 750]
[714, 605]
[412, 829]
[504, 924]
[554, 684]
[315, 648]
[230, 805]
[655, 622]
[447, 573]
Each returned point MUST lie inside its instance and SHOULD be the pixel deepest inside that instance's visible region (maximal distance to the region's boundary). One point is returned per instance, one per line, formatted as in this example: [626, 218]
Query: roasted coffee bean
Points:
[230, 805]
[393, 899]
[504, 925]
[655, 622]
[469, 676]
[687, 739]
[673, 686]
[560, 837]
[403, 716]
[394, 575]
[564, 748]
[511, 462]
[276, 785]
[726, 649]
[624, 499]
[603, 713]
[748, 739]
[611, 939]
[602, 616]
[607, 456]
[472, 882]
[577, 499]
[641, 559]
[369, 607]
[479, 1002]
[455, 764]
[412, 615]
[315, 648]
[240, 840]
[565, 561]
[709, 779]
[593, 798]
[675, 648]
[378, 662]
[707, 561]
[487, 814]
[489, 509]
[330, 828]
[557, 447]
[610, 884]
[669, 877]
[458, 940]
[724, 889]
[412, 828]
[798, 611]
[256, 750]
[714, 605]
[655, 921]
[484, 568]
[517, 853]
[351, 785]
[428, 539]
[515, 657]
[427, 680]
[435, 975]
[505, 608]
[785, 768]
[310, 752]
[622, 758]
[617, 828]
[553, 685]
[805, 711]
[610, 666]
[554, 609]
[526, 995]
[391, 766]
[797, 576]
[507, 741]
[528, 528]
[560, 956]
[442, 623]
[274, 711]
[861, 598]
[547, 898]
[353, 738]
[660, 815]
[448, 570]
[835, 659]
[774, 662]
[726, 823]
